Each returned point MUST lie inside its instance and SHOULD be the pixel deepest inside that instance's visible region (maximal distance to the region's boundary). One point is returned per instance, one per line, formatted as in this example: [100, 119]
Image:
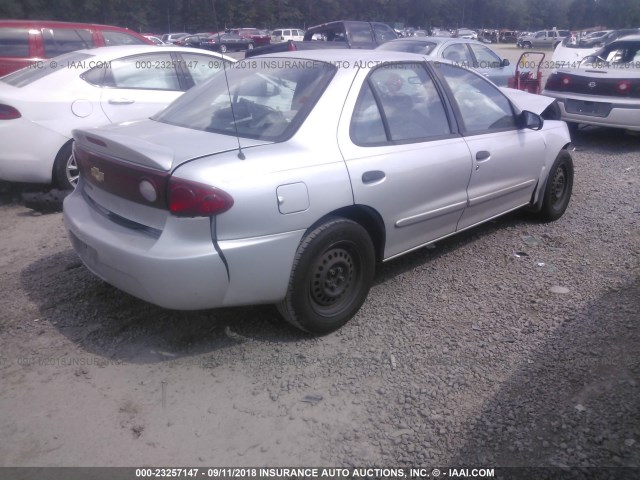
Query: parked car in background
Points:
[465, 33]
[289, 179]
[571, 53]
[25, 42]
[173, 37]
[543, 39]
[285, 34]
[194, 40]
[227, 42]
[40, 106]
[257, 37]
[604, 89]
[155, 39]
[334, 35]
[464, 52]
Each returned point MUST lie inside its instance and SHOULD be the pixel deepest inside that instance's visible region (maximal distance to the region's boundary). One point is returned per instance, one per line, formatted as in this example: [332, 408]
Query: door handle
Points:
[483, 156]
[121, 101]
[372, 176]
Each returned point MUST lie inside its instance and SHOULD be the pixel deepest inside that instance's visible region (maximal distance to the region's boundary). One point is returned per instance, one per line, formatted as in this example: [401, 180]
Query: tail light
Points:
[8, 113]
[623, 87]
[553, 82]
[192, 199]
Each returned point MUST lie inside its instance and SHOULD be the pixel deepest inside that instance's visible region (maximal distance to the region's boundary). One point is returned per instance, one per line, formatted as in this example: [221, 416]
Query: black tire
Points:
[250, 46]
[65, 168]
[557, 192]
[223, 49]
[526, 45]
[331, 276]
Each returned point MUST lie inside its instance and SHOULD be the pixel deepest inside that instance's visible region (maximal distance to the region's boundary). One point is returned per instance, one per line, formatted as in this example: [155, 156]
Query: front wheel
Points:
[557, 192]
[526, 45]
[65, 168]
[331, 276]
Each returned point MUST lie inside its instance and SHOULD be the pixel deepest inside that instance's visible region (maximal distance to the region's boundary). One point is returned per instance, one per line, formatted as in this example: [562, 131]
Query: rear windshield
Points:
[619, 54]
[40, 69]
[423, 48]
[265, 100]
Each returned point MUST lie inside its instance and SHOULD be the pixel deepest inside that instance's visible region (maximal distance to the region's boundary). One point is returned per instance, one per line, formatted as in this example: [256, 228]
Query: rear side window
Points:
[149, 72]
[120, 38]
[30, 74]
[399, 104]
[14, 42]
[360, 33]
[277, 33]
[58, 41]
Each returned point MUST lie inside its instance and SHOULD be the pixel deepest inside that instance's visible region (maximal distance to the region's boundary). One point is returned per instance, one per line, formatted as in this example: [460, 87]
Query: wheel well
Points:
[368, 218]
[54, 179]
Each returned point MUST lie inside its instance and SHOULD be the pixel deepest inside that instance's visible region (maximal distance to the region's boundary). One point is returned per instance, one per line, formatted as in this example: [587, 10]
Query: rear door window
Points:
[399, 104]
[156, 71]
[14, 42]
[58, 41]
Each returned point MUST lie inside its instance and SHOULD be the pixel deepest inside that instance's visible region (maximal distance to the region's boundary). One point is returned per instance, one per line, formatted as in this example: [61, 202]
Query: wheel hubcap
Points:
[332, 277]
[72, 170]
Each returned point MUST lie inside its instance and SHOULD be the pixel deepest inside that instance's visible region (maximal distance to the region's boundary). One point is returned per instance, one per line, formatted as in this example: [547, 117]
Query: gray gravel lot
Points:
[515, 344]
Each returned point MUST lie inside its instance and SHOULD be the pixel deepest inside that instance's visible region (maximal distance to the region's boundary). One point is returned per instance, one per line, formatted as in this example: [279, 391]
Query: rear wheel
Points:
[526, 45]
[65, 168]
[557, 193]
[331, 277]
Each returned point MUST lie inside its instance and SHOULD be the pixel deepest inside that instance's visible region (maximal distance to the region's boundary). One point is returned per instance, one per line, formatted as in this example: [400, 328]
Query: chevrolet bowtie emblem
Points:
[592, 84]
[97, 174]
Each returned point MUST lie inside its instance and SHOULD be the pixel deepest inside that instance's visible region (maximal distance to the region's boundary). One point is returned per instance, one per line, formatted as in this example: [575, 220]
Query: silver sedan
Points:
[461, 51]
[287, 178]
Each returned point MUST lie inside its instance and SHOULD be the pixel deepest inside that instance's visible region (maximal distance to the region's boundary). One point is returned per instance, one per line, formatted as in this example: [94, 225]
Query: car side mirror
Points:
[530, 120]
[505, 62]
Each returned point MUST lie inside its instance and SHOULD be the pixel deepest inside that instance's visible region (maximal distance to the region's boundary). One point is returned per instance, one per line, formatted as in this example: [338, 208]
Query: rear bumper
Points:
[28, 151]
[620, 115]
[180, 269]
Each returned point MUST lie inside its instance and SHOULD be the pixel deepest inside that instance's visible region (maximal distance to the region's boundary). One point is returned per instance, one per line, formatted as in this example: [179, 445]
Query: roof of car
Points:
[56, 23]
[634, 37]
[434, 40]
[122, 50]
[347, 55]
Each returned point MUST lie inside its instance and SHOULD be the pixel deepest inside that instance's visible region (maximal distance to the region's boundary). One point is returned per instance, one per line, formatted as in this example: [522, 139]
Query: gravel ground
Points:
[515, 344]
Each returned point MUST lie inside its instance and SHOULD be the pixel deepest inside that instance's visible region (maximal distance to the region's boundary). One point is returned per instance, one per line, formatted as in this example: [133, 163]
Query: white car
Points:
[41, 104]
[603, 90]
[286, 34]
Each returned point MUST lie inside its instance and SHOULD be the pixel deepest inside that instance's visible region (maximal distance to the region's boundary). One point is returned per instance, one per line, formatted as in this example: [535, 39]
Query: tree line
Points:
[214, 15]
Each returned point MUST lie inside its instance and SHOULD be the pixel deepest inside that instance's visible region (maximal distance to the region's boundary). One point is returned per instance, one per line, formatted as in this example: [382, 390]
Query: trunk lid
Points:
[126, 168]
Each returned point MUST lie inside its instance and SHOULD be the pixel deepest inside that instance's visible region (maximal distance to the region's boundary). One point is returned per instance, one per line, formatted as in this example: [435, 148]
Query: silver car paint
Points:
[245, 255]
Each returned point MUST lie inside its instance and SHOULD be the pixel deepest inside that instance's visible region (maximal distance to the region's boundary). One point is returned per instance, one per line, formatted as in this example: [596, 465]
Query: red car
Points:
[259, 37]
[23, 42]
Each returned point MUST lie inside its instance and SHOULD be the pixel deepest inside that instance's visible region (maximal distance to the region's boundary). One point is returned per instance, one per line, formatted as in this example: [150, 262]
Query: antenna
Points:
[241, 155]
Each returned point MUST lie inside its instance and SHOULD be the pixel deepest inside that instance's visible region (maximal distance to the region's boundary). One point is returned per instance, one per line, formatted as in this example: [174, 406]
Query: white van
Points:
[286, 34]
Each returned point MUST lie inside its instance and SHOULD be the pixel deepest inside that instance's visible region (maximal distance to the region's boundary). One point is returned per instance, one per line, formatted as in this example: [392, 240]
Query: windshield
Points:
[266, 99]
[41, 68]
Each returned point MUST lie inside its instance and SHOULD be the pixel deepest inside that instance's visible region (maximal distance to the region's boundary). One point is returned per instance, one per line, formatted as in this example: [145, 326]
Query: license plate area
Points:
[583, 107]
